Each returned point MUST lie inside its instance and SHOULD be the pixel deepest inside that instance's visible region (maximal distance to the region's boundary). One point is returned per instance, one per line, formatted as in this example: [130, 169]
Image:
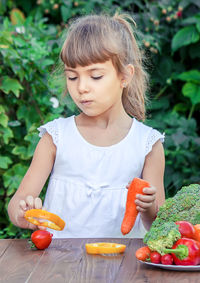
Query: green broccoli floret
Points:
[163, 236]
[185, 205]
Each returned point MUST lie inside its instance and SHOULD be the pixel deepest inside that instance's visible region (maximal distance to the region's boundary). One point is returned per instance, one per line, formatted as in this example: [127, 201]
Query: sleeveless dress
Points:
[87, 185]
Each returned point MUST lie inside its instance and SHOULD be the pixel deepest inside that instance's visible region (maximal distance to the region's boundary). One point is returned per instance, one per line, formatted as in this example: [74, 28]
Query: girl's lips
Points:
[86, 102]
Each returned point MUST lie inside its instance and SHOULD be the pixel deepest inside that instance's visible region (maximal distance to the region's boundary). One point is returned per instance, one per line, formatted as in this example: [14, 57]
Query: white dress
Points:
[87, 186]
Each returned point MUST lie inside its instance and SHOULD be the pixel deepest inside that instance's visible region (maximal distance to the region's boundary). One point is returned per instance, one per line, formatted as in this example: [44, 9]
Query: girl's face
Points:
[96, 88]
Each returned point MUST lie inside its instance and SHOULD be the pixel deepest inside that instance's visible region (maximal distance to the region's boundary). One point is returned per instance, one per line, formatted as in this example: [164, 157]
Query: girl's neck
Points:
[105, 120]
[103, 131]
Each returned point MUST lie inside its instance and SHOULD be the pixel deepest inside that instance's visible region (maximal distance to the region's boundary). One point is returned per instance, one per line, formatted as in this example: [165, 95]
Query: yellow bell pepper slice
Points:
[104, 248]
[35, 216]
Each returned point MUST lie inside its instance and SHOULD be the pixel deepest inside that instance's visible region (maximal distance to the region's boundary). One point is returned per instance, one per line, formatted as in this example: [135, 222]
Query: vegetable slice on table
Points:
[104, 248]
[41, 239]
[143, 253]
[35, 216]
[136, 187]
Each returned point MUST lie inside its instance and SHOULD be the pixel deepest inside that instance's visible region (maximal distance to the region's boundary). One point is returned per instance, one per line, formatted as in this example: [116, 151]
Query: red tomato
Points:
[167, 259]
[155, 257]
[41, 239]
[186, 229]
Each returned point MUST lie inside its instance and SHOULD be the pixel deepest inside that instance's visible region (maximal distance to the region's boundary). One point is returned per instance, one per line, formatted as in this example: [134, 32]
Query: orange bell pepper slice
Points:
[104, 248]
[35, 216]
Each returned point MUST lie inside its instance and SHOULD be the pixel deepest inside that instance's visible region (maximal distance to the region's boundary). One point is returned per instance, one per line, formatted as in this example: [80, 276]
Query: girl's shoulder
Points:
[149, 135]
[141, 126]
[56, 127]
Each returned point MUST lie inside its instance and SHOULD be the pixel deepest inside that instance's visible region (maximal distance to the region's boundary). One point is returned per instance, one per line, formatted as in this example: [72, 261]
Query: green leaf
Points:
[4, 162]
[47, 62]
[190, 76]
[12, 178]
[3, 120]
[2, 109]
[5, 39]
[192, 91]
[6, 134]
[28, 114]
[184, 37]
[33, 139]
[17, 17]
[65, 12]
[21, 151]
[180, 107]
[8, 84]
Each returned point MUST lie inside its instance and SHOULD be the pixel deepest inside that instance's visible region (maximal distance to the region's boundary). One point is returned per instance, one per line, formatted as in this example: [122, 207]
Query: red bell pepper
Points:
[185, 252]
[186, 229]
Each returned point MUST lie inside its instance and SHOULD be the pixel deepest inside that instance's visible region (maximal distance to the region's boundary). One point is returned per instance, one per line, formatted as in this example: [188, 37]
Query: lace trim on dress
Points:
[52, 129]
[153, 137]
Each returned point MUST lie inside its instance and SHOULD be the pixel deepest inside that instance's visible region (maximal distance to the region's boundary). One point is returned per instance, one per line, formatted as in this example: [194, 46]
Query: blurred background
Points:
[32, 89]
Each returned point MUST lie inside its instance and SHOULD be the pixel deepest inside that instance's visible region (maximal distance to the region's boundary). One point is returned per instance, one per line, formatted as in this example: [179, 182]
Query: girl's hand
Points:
[29, 203]
[145, 202]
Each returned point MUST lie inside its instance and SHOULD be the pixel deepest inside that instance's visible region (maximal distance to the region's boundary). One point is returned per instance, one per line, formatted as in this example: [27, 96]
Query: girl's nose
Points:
[83, 86]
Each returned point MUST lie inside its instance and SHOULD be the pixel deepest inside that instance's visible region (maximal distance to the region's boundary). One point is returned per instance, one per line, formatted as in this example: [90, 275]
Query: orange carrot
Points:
[136, 187]
[143, 253]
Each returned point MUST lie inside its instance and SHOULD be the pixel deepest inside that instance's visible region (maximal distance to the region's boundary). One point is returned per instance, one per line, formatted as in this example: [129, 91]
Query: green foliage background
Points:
[30, 42]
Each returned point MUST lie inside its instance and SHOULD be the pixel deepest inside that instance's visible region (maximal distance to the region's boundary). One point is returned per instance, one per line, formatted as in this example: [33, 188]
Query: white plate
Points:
[174, 267]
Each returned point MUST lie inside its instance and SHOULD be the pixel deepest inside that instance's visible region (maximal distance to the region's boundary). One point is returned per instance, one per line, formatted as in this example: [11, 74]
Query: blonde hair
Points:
[98, 38]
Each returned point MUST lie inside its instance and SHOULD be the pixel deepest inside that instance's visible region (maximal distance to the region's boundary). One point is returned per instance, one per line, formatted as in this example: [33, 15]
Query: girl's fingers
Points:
[149, 191]
[38, 203]
[22, 205]
[144, 205]
[30, 202]
[21, 213]
[140, 209]
[42, 228]
[145, 198]
[128, 185]
[149, 196]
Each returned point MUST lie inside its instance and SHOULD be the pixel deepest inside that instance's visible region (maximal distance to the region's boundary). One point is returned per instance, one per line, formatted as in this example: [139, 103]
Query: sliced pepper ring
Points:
[54, 221]
[104, 248]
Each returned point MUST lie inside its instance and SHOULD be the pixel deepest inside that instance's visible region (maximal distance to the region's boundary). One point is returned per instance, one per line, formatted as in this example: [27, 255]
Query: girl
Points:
[93, 156]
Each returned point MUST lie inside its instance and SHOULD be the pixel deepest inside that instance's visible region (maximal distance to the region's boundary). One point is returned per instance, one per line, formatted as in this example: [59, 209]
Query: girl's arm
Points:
[153, 172]
[26, 196]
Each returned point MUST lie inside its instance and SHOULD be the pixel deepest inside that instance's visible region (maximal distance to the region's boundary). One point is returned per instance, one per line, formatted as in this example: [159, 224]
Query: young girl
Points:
[92, 157]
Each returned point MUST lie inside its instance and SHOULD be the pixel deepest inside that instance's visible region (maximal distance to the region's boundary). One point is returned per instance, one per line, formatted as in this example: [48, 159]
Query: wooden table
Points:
[66, 261]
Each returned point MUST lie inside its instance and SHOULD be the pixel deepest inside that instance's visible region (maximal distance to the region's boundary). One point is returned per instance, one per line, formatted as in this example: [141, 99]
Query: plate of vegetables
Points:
[179, 249]
[173, 241]
[184, 256]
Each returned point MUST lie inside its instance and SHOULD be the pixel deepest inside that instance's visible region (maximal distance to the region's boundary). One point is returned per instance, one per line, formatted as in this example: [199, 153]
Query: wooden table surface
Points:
[66, 261]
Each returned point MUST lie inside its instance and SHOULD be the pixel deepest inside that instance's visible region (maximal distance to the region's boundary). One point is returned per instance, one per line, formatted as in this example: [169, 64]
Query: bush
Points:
[30, 44]
[28, 53]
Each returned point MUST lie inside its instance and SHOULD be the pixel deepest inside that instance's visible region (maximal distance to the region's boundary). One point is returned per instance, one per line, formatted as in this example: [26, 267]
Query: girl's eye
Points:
[97, 78]
[72, 79]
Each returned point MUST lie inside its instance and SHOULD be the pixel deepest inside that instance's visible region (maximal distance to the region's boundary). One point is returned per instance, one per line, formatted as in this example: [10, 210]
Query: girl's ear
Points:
[130, 70]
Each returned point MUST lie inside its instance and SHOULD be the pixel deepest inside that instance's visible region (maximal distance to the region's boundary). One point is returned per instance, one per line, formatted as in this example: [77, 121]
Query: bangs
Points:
[88, 44]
